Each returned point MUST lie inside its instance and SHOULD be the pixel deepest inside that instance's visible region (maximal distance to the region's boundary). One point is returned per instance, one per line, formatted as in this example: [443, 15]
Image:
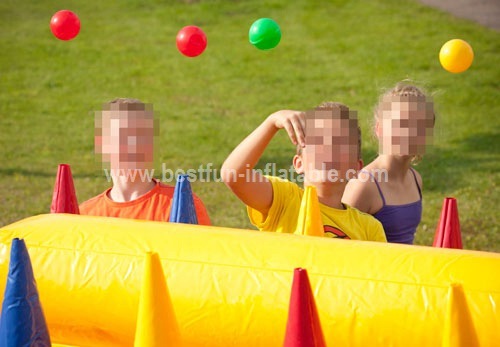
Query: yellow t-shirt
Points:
[282, 216]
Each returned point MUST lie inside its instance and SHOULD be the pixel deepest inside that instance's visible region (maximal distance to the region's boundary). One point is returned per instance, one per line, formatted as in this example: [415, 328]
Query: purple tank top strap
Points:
[416, 182]
[378, 187]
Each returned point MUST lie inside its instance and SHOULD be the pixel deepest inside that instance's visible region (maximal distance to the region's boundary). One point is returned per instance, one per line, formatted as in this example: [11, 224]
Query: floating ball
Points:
[264, 33]
[191, 41]
[65, 25]
[456, 56]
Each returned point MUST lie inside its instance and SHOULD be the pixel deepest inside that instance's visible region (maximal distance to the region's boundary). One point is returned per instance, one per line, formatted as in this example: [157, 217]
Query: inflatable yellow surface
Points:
[231, 287]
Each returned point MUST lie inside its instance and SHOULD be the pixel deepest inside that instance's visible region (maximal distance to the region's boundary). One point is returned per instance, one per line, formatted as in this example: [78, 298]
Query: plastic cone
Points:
[183, 210]
[303, 328]
[309, 221]
[458, 328]
[22, 322]
[64, 196]
[448, 230]
[156, 322]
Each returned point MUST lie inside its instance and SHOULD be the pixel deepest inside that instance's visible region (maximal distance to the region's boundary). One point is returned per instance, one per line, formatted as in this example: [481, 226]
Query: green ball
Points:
[264, 34]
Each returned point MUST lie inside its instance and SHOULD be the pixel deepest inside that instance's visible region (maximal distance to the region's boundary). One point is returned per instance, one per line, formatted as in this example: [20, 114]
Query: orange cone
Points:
[64, 196]
[156, 322]
[448, 230]
[309, 221]
[303, 328]
[458, 328]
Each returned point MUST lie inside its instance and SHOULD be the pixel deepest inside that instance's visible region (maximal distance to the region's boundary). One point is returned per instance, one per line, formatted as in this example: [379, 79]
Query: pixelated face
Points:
[405, 125]
[331, 143]
[125, 138]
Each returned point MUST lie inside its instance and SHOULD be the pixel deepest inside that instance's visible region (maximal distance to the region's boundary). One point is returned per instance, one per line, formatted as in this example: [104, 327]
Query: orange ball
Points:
[456, 56]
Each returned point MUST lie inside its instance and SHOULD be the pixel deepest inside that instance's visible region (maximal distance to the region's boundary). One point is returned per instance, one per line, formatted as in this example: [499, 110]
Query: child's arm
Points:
[237, 171]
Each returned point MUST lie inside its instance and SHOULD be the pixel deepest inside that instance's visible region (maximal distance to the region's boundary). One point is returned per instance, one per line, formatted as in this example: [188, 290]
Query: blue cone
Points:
[183, 210]
[22, 323]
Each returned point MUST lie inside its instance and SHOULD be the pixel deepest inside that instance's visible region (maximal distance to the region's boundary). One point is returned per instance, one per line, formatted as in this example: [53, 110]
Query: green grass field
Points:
[345, 51]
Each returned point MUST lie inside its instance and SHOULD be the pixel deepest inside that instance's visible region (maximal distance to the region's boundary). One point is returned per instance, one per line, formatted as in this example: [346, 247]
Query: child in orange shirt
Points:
[125, 132]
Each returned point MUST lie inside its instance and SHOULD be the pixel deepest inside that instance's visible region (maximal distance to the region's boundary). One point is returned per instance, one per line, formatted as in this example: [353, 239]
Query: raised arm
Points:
[238, 172]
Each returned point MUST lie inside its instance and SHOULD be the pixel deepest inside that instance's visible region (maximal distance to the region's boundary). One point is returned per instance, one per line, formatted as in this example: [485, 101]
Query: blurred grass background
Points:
[347, 51]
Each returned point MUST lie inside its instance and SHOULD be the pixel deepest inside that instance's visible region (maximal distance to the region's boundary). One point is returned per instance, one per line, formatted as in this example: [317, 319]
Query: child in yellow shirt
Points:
[328, 140]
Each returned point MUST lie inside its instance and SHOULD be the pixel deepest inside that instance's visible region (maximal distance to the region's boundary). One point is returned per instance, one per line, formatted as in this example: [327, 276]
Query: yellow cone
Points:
[458, 327]
[156, 322]
[310, 222]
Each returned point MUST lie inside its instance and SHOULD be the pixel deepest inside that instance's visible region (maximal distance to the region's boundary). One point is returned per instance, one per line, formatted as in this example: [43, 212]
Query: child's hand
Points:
[294, 122]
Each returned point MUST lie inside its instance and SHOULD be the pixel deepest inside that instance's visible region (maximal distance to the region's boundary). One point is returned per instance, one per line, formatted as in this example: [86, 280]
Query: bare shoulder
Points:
[359, 186]
[363, 177]
[359, 192]
[362, 192]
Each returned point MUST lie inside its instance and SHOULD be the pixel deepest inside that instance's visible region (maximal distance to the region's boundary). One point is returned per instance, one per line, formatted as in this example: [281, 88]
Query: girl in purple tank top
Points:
[388, 188]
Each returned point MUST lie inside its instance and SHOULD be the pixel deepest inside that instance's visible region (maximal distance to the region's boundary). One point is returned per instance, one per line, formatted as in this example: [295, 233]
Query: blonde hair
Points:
[403, 89]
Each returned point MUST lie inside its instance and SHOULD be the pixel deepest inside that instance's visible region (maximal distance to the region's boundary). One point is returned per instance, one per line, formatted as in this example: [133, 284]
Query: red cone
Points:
[303, 328]
[448, 231]
[64, 197]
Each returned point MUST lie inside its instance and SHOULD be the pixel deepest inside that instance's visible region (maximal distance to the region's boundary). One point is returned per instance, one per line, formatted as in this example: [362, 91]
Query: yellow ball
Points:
[456, 56]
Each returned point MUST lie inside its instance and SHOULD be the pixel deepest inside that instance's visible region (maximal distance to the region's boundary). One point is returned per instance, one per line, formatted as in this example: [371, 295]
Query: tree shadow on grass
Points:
[482, 142]
[448, 169]
[467, 160]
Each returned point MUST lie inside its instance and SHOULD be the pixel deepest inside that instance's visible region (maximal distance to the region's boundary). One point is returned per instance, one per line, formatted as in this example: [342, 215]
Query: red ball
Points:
[65, 25]
[191, 41]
